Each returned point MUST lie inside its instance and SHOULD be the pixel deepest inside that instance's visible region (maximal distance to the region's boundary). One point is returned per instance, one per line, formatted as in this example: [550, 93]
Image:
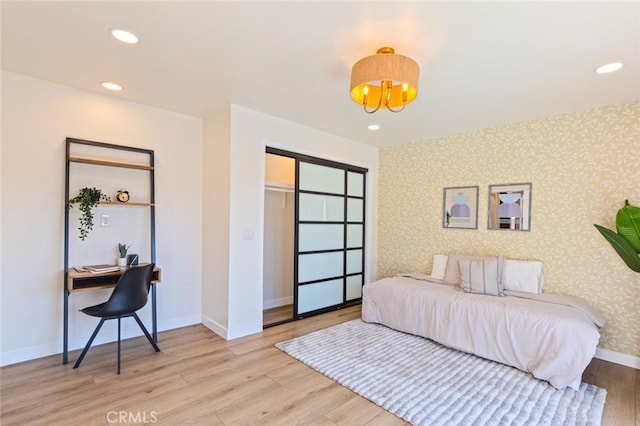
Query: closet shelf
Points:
[279, 186]
[98, 162]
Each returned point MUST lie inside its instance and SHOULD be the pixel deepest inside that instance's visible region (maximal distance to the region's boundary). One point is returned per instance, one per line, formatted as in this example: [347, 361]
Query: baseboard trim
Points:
[129, 330]
[214, 326]
[230, 333]
[245, 330]
[274, 303]
[618, 358]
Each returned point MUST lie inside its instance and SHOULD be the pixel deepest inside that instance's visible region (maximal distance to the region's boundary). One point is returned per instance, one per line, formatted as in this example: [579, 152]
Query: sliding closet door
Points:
[329, 236]
[354, 273]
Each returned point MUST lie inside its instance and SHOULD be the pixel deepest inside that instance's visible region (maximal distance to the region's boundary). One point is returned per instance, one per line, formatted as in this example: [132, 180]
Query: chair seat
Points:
[94, 310]
[99, 311]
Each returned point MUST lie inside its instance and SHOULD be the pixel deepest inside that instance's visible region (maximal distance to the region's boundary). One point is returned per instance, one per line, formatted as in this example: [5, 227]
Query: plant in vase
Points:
[87, 198]
[626, 242]
[122, 251]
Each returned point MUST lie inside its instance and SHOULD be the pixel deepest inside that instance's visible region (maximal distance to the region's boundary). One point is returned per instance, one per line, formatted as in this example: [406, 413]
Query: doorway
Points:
[278, 250]
[328, 241]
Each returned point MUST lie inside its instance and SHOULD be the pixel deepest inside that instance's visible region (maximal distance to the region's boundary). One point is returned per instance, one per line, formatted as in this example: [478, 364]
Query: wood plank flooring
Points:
[274, 315]
[199, 378]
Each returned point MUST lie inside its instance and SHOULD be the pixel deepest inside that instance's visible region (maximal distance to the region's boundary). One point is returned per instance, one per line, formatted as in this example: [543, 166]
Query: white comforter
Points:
[552, 341]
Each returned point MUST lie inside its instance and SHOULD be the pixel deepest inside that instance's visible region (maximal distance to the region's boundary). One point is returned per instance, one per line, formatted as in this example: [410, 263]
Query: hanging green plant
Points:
[626, 242]
[87, 199]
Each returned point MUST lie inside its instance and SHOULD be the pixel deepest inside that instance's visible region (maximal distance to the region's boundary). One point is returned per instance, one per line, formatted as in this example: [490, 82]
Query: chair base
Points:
[99, 326]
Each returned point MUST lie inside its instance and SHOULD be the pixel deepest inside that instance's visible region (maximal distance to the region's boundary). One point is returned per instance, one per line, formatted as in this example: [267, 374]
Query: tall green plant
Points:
[87, 199]
[626, 242]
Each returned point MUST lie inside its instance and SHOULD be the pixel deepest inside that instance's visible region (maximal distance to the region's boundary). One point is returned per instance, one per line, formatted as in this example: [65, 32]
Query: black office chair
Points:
[129, 295]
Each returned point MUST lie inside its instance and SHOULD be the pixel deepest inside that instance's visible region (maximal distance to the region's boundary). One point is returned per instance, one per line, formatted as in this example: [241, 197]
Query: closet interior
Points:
[279, 226]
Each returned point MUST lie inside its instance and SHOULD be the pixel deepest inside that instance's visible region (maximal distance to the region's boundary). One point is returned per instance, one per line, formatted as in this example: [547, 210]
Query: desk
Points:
[81, 280]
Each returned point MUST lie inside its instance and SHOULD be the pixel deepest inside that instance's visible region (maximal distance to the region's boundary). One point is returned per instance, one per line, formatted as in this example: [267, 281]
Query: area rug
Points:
[426, 383]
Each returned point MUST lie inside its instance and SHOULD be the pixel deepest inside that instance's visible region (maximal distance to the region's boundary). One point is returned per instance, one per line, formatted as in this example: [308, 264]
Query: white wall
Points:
[215, 249]
[36, 118]
[251, 132]
[278, 248]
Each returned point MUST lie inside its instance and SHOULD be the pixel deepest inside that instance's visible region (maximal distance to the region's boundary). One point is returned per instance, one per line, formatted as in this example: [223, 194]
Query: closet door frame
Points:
[346, 168]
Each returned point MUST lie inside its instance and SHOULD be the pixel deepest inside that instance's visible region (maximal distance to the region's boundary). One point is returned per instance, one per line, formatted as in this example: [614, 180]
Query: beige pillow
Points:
[482, 276]
[452, 271]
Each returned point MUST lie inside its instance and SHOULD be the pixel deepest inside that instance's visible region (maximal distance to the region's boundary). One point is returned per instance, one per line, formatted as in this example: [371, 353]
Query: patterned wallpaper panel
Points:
[582, 167]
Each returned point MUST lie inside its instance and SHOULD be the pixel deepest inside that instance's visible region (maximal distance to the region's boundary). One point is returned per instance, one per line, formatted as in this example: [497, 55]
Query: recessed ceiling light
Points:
[124, 36]
[111, 86]
[614, 66]
[373, 126]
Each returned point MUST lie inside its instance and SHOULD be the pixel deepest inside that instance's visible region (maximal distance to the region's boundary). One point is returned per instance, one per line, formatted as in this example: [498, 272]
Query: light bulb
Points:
[614, 66]
[111, 86]
[124, 36]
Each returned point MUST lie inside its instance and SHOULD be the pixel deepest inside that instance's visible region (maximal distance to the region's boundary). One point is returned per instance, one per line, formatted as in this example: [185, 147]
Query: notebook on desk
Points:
[100, 269]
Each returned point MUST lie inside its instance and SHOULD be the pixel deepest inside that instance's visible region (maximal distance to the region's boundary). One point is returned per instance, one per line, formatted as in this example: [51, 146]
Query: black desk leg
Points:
[154, 320]
[65, 332]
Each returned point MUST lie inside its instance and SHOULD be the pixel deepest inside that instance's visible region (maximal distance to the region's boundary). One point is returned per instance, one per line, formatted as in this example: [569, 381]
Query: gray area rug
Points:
[426, 383]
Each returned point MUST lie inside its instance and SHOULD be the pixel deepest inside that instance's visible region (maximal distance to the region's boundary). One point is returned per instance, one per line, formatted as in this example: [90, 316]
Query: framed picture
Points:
[510, 207]
[460, 207]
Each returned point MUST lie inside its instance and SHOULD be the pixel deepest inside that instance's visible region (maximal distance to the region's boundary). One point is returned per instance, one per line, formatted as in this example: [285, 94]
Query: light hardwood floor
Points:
[274, 315]
[199, 378]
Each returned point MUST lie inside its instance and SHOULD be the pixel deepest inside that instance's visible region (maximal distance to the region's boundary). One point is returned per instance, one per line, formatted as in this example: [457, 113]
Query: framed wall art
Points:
[460, 207]
[510, 207]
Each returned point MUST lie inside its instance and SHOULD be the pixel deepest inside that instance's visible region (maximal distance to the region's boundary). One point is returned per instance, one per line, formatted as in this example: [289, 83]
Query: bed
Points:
[552, 337]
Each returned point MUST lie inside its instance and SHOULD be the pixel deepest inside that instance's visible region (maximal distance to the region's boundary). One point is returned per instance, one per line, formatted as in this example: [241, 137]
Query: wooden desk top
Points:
[85, 280]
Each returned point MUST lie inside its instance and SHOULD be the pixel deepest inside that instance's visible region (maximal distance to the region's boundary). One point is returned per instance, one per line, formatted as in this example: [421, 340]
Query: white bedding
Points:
[554, 342]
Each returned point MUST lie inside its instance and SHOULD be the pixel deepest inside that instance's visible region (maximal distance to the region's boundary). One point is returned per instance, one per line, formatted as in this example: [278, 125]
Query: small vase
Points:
[122, 261]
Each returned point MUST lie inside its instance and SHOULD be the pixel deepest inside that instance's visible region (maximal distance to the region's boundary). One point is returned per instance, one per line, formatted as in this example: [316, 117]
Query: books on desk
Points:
[101, 269]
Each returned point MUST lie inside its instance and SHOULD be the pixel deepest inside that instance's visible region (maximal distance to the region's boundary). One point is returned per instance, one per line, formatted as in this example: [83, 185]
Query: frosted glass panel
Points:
[323, 210]
[354, 287]
[354, 236]
[355, 184]
[321, 178]
[321, 207]
[318, 266]
[320, 237]
[354, 210]
[319, 295]
[354, 261]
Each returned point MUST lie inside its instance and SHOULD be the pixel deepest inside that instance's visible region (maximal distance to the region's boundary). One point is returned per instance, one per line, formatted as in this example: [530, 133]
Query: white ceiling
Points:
[482, 63]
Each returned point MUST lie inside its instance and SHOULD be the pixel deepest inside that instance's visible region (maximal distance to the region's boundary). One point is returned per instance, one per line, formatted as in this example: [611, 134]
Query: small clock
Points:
[122, 196]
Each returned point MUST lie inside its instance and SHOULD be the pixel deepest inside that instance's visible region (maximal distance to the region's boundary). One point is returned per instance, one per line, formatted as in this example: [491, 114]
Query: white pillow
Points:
[522, 275]
[481, 276]
[439, 266]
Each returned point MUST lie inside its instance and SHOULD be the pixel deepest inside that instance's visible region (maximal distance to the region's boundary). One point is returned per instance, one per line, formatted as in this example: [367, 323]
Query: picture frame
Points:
[460, 207]
[510, 207]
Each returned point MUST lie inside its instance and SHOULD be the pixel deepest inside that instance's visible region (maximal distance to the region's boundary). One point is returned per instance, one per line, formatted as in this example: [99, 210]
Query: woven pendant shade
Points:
[372, 76]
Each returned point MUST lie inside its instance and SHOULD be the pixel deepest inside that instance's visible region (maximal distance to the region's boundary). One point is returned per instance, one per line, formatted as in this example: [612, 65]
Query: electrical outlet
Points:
[105, 220]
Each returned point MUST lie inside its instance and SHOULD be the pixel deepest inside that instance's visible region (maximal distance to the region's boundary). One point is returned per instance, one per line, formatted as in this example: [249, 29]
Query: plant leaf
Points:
[628, 224]
[620, 245]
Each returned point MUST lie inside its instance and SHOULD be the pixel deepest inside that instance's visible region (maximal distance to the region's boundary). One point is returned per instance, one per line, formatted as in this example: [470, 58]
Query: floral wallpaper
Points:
[582, 167]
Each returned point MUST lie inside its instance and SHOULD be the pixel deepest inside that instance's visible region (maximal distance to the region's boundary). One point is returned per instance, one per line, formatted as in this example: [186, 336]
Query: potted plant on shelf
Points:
[122, 251]
[87, 199]
[626, 242]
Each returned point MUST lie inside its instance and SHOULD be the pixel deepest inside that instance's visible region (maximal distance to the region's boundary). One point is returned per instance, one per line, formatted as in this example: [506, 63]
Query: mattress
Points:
[548, 337]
